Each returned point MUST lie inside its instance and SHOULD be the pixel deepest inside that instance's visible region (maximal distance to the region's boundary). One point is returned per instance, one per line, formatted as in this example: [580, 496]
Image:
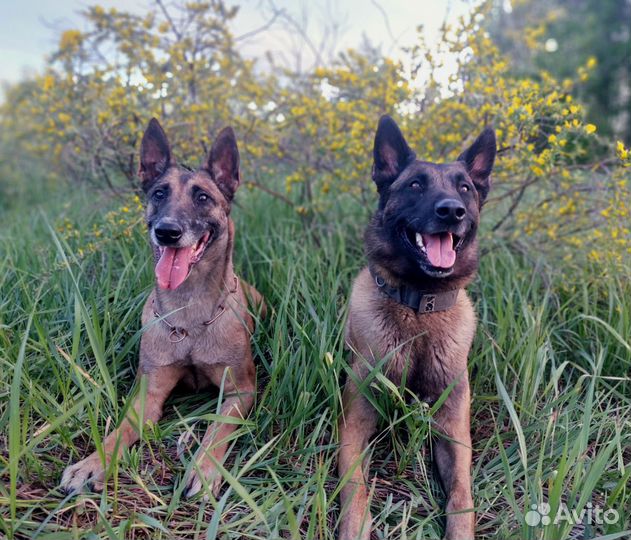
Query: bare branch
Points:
[169, 19]
[260, 29]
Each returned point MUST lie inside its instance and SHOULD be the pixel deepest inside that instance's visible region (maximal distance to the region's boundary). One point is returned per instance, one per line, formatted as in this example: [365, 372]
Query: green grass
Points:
[550, 379]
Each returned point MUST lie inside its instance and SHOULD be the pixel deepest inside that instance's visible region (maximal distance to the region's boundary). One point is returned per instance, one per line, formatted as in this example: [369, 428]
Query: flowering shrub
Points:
[121, 222]
[308, 138]
[557, 184]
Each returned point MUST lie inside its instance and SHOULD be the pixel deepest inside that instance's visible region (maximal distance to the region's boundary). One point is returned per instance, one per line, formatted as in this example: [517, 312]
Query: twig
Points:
[270, 192]
[167, 16]
[260, 29]
[514, 204]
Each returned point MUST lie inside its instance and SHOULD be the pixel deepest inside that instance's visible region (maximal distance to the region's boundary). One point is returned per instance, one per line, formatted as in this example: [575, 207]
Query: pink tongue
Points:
[440, 249]
[172, 268]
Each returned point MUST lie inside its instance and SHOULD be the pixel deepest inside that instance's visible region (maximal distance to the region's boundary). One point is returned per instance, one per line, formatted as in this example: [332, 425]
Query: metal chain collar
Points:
[178, 334]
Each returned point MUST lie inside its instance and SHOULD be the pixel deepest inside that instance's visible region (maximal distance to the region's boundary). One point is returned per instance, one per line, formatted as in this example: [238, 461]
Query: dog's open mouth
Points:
[438, 250]
[175, 264]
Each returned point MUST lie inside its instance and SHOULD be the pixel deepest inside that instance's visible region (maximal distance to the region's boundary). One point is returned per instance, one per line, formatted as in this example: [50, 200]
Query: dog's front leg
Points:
[239, 389]
[91, 470]
[357, 424]
[452, 452]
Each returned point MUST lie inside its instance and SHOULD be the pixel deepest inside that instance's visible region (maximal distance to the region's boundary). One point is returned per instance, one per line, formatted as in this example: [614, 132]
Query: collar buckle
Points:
[427, 303]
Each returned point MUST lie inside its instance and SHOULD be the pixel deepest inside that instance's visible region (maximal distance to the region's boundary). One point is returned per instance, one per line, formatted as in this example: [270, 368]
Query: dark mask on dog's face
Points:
[428, 212]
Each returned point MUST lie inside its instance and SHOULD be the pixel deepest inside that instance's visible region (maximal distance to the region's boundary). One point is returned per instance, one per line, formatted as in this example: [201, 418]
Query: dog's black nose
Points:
[450, 210]
[168, 233]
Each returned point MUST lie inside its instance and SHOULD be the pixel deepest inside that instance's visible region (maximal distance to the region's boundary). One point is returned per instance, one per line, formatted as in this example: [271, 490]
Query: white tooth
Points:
[419, 242]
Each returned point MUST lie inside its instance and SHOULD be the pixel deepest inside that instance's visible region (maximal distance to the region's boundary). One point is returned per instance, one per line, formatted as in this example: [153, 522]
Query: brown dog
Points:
[197, 321]
[409, 307]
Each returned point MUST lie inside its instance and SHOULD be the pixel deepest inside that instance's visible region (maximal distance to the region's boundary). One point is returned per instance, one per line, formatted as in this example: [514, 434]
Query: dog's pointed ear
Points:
[479, 159]
[391, 153]
[155, 154]
[223, 162]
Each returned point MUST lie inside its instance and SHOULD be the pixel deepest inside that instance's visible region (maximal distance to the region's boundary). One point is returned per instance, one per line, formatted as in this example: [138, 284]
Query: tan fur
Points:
[432, 347]
[215, 354]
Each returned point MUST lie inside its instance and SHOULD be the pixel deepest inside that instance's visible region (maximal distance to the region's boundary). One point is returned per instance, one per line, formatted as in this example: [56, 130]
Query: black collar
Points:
[419, 301]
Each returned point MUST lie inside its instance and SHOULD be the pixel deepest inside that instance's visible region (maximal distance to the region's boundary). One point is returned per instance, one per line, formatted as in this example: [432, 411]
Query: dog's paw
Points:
[195, 483]
[355, 524]
[460, 527]
[459, 532]
[460, 517]
[87, 473]
[355, 534]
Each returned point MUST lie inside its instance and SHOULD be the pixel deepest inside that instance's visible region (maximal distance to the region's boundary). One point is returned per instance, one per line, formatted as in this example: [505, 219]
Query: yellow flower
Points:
[590, 128]
[70, 39]
[594, 255]
[48, 83]
[328, 358]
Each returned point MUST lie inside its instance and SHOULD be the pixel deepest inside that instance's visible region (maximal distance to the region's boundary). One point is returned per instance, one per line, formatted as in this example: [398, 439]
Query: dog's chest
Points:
[427, 352]
[200, 345]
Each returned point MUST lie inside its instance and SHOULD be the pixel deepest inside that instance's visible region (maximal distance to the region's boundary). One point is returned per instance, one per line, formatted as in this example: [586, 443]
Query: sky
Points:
[30, 29]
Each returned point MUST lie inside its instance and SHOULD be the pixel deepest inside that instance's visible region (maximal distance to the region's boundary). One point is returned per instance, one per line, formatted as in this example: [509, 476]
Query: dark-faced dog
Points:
[408, 306]
[197, 321]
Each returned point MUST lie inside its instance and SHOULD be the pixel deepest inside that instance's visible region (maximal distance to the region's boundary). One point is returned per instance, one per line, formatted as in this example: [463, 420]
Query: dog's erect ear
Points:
[391, 153]
[155, 154]
[223, 162]
[478, 160]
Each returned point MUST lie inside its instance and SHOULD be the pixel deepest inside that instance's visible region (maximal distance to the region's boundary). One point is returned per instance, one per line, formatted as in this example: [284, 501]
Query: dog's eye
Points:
[415, 184]
[465, 188]
[202, 198]
[158, 195]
